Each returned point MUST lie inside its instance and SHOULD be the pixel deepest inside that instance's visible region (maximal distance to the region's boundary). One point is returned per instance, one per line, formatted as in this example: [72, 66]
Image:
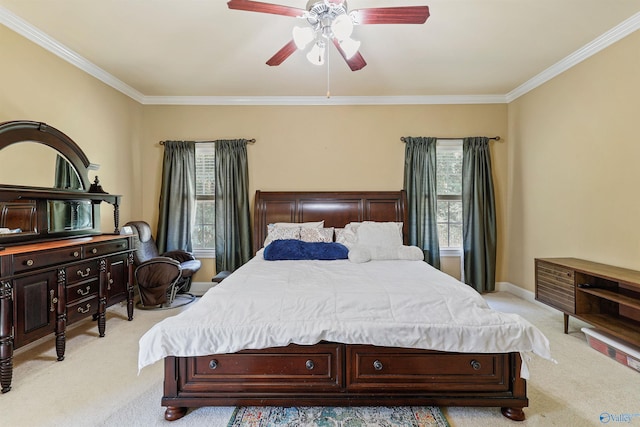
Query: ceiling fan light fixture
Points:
[302, 36]
[350, 47]
[331, 21]
[342, 27]
[316, 54]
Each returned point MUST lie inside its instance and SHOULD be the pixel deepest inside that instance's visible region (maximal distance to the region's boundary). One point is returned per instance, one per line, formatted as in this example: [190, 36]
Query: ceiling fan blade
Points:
[356, 62]
[257, 6]
[282, 54]
[391, 15]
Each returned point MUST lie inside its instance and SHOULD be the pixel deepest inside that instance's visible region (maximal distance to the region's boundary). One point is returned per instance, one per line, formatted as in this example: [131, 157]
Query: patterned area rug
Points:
[314, 416]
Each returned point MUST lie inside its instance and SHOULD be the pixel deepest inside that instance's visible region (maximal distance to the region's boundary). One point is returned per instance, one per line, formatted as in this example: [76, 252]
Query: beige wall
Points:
[574, 166]
[39, 86]
[321, 147]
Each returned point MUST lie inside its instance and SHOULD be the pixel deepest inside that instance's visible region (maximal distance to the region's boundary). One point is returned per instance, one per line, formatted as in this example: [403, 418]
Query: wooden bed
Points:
[335, 374]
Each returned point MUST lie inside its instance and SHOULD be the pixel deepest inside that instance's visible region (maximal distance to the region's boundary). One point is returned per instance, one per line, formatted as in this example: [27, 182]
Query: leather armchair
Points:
[160, 276]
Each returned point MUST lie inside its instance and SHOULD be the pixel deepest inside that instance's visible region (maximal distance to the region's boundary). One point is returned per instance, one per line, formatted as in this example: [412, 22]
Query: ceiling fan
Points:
[330, 21]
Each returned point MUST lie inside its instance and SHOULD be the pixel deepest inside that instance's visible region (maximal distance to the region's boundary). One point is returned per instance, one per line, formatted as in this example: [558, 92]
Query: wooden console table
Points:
[604, 296]
[46, 286]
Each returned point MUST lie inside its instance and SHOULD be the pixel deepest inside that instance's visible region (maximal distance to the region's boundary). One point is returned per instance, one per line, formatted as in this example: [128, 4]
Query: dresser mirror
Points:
[45, 190]
[47, 168]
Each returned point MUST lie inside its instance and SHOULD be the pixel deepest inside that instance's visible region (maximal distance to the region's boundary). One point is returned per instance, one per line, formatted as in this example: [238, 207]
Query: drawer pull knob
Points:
[377, 365]
[213, 364]
[476, 365]
[84, 310]
[54, 300]
[76, 254]
[309, 364]
[83, 293]
[29, 262]
[94, 251]
[85, 273]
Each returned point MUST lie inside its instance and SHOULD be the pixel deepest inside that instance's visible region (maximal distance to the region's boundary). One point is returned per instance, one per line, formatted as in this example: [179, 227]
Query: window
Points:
[203, 233]
[449, 188]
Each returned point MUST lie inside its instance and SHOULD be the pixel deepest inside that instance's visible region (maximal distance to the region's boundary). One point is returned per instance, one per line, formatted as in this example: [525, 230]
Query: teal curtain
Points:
[422, 196]
[177, 196]
[478, 215]
[63, 215]
[233, 227]
[65, 175]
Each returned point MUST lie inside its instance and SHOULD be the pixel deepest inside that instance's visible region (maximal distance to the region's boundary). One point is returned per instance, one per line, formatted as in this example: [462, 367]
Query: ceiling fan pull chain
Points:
[328, 75]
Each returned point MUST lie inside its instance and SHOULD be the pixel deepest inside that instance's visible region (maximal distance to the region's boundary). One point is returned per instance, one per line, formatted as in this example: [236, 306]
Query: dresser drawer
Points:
[32, 260]
[82, 290]
[98, 249]
[423, 370]
[81, 309]
[82, 272]
[555, 286]
[276, 369]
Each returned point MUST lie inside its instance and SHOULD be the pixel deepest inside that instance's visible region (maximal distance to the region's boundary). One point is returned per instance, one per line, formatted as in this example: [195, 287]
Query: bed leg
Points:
[515, 414]
[174, 413]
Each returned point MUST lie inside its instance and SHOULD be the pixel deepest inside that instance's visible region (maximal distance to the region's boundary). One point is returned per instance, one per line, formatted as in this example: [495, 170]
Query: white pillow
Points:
[279, 233]
[308, 234]
[346, 236]
[360, 254]
[379, 234]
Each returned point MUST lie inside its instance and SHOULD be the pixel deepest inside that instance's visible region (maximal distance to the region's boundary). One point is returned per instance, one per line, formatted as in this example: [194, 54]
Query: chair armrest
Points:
[179, 255]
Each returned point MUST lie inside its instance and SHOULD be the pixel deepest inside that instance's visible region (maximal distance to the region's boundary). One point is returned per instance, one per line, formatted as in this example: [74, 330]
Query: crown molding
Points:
[618, 32]
[321, 100]
[37, 36]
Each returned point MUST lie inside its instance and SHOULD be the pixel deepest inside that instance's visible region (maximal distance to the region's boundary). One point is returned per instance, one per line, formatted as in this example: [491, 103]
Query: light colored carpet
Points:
[98, 385]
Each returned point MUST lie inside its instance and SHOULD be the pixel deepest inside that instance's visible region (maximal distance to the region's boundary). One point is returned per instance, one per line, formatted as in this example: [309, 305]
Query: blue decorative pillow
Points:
[290, 249]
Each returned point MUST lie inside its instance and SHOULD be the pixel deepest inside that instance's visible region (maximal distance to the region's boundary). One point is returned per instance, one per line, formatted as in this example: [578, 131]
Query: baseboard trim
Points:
[521, 293]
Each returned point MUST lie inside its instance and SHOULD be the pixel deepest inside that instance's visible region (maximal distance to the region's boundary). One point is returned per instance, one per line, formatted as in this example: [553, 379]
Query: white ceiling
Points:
[190, 51]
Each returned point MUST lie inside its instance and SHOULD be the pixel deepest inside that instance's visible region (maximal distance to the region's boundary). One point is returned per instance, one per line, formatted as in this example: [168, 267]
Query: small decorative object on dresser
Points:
[604, 296]
[56, 267]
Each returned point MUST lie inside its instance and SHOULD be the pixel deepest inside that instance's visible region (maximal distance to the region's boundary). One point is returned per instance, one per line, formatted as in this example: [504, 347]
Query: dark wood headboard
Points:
[337, 209]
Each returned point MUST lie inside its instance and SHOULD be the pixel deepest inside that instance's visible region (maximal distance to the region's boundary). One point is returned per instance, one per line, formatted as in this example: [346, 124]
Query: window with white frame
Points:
[449, 189]
[203, 232]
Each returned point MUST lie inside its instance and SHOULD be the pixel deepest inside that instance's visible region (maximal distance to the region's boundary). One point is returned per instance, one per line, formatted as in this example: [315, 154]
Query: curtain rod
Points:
[249, 141]
[495, 138]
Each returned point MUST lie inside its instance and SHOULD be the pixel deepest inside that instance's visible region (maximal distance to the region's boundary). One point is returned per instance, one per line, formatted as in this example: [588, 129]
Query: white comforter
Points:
[387, 303]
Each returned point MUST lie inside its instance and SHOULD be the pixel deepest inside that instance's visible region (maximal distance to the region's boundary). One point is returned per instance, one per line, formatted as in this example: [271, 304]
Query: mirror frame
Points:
[23, 130]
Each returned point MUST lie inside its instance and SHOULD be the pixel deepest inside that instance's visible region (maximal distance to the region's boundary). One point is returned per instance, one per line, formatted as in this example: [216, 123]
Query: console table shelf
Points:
[614, 296]
[624, 329]
[604, 296]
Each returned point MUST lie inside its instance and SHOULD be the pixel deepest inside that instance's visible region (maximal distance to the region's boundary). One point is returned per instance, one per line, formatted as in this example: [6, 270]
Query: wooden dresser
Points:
[46, 286]
[56, 266]
[604, 296]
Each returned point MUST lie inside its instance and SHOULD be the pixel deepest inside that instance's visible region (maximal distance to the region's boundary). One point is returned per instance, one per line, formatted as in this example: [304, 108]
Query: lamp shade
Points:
[350, 47]
[342, 27]
[316, 54]
[302, 36]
